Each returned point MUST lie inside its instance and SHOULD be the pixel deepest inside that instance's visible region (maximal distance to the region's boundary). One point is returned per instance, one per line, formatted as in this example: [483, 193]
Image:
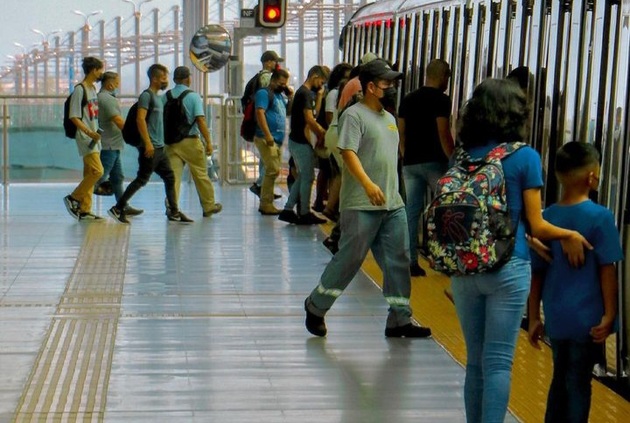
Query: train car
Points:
[577, 54]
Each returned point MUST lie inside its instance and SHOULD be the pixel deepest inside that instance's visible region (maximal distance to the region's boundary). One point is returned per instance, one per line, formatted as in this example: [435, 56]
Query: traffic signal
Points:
[272, 13]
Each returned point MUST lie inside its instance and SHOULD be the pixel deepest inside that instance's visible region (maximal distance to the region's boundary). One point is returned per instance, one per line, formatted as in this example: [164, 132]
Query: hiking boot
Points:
[408, 331]
[288, 216]
[89, 217]
[130, 211]
[118, 215]
[179, 217]
[310, 219]
[72, 206]
[255, 189]
[416, 270]
[213, 210]
[269, 210]
[314, 324]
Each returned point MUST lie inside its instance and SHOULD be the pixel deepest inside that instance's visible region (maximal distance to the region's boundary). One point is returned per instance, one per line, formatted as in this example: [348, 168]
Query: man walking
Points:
[271, 113]
[111, 122]
[372, 210]
[426, 144]
[84, 115]
[191, 150]
[151, 155]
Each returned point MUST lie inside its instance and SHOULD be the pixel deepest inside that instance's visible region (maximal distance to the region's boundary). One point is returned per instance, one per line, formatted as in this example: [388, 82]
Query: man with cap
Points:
[372, 210]
[270, 61]
[191, 150]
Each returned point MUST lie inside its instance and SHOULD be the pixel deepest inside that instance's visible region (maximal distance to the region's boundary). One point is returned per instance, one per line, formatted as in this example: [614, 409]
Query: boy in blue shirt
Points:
[580, 304]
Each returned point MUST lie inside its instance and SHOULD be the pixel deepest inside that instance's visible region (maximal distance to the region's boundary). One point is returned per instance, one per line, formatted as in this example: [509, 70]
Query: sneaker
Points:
[288, 216]
[87, 216]
[118, 215]
[214, 210]
[314, 324]
[179, 217]
[269, 210]
[255, 189]
[408, 331]
[416, 270]
[130, 211]
[72, 206]
[310, 219]
[332, 245]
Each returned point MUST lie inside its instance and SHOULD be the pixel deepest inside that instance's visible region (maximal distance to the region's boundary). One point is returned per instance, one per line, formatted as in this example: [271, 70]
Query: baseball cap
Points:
[368, 57]
[378, 69]
[270, 55]
[181, 73]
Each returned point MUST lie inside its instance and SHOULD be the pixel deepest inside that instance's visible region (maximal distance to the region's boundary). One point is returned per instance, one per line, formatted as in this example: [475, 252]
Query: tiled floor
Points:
[164, 322]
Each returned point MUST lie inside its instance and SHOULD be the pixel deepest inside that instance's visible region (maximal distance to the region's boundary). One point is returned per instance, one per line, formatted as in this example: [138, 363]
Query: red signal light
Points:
[272, 13]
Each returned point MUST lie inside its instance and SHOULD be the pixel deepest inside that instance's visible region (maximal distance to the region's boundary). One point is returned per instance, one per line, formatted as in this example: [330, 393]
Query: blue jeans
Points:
[418, 178]
[490, 307]
[569, 399]
[112, 170]
[304, 158]
[382, 232]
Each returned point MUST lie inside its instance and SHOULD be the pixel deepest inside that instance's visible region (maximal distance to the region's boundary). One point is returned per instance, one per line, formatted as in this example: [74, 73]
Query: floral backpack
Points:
[468, 228]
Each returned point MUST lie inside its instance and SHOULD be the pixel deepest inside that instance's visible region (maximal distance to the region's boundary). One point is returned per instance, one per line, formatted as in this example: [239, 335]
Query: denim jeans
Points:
[569, 399]
[112, 170]
[304, 158]
[381, 231]
[417, 179]
[490, 307]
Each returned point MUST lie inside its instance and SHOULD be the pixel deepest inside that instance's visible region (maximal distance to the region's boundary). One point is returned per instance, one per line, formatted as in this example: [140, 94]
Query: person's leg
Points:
[321, 187]
[360, 228]
[116, 175]
[192, 152]
[470, 306]
[92, 171]
[390, 251]
[581, 359]
[556, 411]
[506, 297]
[145, 169]
[270, 156]
[174, 155]
[305, 162]
[294, 189]
[163, 168]
[415, 187]
[108, 157]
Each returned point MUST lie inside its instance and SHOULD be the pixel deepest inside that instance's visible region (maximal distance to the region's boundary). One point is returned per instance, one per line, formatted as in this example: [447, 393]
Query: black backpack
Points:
[176, 125]
[68, 126]
[130, 131]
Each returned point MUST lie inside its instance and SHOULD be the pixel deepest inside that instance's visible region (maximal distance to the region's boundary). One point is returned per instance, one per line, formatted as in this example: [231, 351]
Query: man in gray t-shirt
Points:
[372, 211]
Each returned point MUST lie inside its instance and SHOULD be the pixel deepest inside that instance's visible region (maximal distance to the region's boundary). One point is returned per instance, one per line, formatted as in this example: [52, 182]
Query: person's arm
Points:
[608, 280]
[536, 328]
[143, 129]
[446, 138]
[401, 135]
[118, 121]
[205, 133]
[85, 129]
[76, 111]
[354, 166]
[289, 93]
[573, 243]
[312, 124]
[261, 119]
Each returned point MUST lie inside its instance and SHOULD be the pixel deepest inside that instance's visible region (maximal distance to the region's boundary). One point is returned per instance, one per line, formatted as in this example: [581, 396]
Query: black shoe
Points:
[72, 206]
[255, 189]
[288, 216]
[332, 245]
[416, 270]
[310, 219]
[130, 211]
[408, 331]
[314, 324]
[179, 217]
[118, 215]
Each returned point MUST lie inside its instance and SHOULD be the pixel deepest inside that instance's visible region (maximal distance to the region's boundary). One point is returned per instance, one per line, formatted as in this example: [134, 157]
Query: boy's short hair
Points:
[90, 63]
[155, 70]
[576, 155]
[108, 76]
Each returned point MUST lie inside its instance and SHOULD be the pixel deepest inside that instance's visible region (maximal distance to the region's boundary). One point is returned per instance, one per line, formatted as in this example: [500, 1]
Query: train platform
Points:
[164, 322]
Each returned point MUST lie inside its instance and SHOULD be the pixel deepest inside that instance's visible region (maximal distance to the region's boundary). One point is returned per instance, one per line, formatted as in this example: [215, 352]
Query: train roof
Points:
[387, 9]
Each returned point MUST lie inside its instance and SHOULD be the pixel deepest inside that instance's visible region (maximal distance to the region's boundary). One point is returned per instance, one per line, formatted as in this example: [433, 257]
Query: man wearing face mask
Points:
[111, 122]
[151, 155]
[426, 145]
[372, 210]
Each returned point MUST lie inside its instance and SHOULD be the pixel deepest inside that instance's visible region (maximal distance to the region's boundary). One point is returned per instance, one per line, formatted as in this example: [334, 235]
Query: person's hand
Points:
[601, 331]
[535, 332]
[573, 247]
[148, 150]
[270, 141]
[209, 149]
[374, 193]
[541, 249]
[94, 135]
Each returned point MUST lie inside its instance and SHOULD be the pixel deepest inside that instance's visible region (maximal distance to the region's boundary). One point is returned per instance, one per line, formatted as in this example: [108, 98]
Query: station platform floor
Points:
[164, 322]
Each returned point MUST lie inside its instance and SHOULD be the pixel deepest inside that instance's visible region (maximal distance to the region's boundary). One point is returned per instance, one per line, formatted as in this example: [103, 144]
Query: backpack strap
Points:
[503, 150]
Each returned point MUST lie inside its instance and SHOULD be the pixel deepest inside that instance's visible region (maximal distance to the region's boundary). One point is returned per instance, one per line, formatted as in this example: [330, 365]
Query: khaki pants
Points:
[92, 172]
[191, 151]
[270, 156]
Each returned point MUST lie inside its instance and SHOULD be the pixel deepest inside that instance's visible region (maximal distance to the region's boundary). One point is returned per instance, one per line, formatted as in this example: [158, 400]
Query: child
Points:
[580, 304]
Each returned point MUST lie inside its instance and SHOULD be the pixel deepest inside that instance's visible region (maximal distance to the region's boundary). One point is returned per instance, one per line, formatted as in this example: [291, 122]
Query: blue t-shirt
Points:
[572, 297]
[193, 106]
[522, 170]
[156, 116]
[276, 114]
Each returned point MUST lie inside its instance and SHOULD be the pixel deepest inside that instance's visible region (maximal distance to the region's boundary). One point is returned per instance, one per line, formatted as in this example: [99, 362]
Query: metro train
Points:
[578, 56]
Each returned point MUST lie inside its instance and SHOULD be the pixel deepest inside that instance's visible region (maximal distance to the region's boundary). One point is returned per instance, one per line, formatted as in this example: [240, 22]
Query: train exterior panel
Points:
[577, 53]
